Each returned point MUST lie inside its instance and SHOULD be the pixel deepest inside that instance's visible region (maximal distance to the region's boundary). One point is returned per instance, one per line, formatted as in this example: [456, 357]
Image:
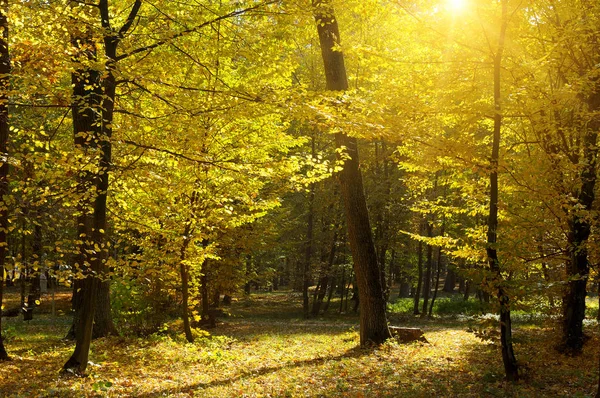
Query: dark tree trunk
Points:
[437, 281]
[508, 356]
[427, 278]
[207, 316]
[86, 103]
[308, 244]
[342, 287]
[417, 297]
[325, 277]
[373, 321]
[578, 267]
[185, 290]
[467, 288]
[438, 272]
[103, 321]
[216, 298]
[77, 363]
[450, 282]
[4, 132]
[34, 295]
[330, 296]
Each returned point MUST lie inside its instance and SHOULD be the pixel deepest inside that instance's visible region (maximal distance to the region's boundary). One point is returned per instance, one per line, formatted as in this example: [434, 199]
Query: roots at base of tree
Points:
[573, 348]
[71, 369]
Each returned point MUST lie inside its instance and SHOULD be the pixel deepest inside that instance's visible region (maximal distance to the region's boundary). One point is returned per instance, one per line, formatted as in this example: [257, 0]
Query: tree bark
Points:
[77, 363]
[185, 294]
[308, 244]
[373, 321]
[417, 296]
[508, 356]
[437, 281]
[4, 133]
[450, 282]
[427, 278]
[438, 270]
[325, 277]
[578, 267]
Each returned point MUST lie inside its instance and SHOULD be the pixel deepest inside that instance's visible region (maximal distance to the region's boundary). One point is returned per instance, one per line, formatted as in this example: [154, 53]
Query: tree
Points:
[508, 356]
[4, 134]
[373, 322]
[77, 363]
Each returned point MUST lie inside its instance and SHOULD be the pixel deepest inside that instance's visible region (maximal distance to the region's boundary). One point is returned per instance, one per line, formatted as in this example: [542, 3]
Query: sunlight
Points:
[456, 6]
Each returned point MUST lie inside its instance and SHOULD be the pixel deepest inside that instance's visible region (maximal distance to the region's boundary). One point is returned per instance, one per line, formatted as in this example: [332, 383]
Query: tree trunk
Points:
[103, 322]
[329, 295]
[33, 297]
[373, 321]
[417, 297]
[438, 270]
[4, 133]
[437, 281]
[427, 278]
[77, 363]
[207, 318]
[185, 274]
[325, 277]
[450, 282]
[508, 356]
[342, 287]
[308, 244]
[578, 267]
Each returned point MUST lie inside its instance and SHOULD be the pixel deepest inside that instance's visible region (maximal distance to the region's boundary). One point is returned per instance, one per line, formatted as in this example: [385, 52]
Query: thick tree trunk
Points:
[450, 282]
[103, 321]
[508, 356]
[4, 132]
[373, 321]
[578, 267]
[77, 363]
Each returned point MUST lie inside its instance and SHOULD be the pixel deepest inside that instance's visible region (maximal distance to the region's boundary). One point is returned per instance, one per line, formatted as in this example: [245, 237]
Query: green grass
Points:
[443, 306]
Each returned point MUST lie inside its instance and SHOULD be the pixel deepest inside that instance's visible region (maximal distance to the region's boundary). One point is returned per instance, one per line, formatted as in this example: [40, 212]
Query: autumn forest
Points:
[299, 198]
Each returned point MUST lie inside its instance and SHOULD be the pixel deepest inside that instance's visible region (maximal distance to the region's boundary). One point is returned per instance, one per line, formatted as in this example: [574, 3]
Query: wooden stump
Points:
[407, 335]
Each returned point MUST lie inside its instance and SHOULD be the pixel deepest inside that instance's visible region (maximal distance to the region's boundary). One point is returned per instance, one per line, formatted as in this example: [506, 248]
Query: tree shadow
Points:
[356, 352]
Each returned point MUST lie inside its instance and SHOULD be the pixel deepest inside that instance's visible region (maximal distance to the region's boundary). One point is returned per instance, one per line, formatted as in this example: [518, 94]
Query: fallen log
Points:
[407, 335]
[10, 313]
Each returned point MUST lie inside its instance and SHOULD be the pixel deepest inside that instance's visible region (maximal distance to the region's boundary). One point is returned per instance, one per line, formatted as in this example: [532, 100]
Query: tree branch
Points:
[177, 154]
[130, 18]
[192, 30]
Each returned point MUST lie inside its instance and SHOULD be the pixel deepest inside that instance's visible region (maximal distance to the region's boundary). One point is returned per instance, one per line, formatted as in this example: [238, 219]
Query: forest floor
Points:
[265, 349]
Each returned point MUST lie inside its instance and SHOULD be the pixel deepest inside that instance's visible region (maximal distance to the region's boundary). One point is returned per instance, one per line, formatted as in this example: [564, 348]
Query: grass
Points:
[263, 351]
